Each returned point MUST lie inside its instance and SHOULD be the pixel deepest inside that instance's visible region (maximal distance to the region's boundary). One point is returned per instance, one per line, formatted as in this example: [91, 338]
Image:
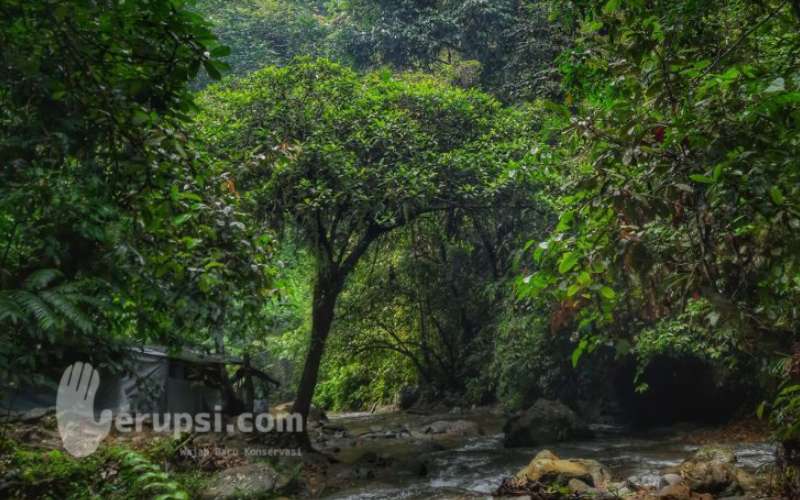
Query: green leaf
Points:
[702, 179]
[182, 219]
[212, 71]
[565, 221]
[41, 278]
[760, 410]
[777, 195]
[139, 117]
[578, 352]
[611, 6]
[221, 51]
[568, 261]
[731, 74]
[591, 26]
[608, 293]
[717, 173]
[623, 347]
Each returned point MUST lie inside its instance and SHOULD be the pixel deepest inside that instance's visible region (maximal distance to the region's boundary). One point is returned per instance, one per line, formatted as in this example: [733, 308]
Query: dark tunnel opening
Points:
[684, 389]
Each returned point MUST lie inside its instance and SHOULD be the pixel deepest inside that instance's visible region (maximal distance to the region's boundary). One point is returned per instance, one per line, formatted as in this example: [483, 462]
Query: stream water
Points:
[476, 466]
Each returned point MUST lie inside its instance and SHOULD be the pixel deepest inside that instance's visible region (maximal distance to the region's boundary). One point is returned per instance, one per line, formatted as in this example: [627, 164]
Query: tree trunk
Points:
[326, 291]
[248, 385]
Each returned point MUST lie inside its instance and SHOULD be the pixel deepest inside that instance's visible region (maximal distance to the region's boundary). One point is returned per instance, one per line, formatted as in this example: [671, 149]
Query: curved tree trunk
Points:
[326, 291]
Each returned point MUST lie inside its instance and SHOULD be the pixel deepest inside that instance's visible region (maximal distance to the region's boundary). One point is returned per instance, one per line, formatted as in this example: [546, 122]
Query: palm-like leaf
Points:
[66, 307]
[34, 305]
[9, 309]
[40, 303]
[40, 279]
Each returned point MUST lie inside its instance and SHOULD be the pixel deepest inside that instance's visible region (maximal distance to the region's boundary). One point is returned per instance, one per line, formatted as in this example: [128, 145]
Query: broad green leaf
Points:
[702, 179]
[568, 261]
[777, 195]
[221, 51]
[578, 352]
[611, 6]
[182, 219]
[212, 71]
[608, 293]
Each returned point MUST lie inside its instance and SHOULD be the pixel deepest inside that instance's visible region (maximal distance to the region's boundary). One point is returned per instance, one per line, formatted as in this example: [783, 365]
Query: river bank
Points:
[463, 464]
[390, 455]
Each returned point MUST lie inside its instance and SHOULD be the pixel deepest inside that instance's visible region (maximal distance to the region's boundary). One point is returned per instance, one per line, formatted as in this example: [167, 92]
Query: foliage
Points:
[284, 333]
[100, 185]
[149, 479]
[507, 47]
[528, 362]
[429, 298]
[112, 472]
[346, 160]
[266, 32]
[692, 333]
[514, 42]
[679, 179]
[395, 202]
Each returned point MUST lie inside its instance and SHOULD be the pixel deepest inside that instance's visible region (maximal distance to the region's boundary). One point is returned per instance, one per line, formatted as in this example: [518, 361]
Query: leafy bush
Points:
[112, 472]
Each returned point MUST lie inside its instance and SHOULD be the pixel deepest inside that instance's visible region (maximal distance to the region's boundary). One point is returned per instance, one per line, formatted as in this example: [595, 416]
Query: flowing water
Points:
[476, 466]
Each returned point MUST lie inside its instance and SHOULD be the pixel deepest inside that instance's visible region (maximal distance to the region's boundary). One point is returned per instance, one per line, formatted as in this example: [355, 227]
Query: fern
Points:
[64, 305]
[46, 305]
[9, 309]
[148, 477]
[34, 305]
[39, 280]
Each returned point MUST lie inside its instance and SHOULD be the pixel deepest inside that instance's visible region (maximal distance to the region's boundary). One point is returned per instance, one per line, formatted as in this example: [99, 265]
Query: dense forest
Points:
[430, 206]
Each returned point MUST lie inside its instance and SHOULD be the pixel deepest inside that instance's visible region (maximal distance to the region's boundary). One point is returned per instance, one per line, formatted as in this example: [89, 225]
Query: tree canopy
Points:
[103, 204]
[477, 202]
[347, 159]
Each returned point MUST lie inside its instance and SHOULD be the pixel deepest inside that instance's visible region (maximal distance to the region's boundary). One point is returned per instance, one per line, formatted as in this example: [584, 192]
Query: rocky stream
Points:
[464, 455]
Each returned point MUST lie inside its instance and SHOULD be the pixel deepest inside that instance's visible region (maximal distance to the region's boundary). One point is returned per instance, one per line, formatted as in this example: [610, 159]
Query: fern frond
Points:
[41, 279]
[68, 309]
[9, 309]
[37, 307]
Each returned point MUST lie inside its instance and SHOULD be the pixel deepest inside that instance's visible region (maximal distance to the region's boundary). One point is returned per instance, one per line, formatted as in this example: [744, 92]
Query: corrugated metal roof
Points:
[185, 354]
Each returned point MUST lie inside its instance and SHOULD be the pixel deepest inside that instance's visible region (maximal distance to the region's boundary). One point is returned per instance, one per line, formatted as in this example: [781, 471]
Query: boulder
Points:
[601, 476]
[749, 482]
[254, 480]
[674, 492]
[669, 480]
[579, 487]
[406, 397]
[452, 428]
[315, 415]
[712, 470]
[544, 422]
[377, 432]
[716, 454]
[549, 469]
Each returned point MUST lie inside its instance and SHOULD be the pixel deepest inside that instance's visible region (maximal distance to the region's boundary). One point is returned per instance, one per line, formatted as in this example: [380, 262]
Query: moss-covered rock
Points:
[544, 422]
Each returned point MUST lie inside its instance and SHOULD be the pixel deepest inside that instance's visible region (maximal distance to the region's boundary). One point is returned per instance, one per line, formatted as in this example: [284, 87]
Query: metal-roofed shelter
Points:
[156, 381]
[166, 382]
